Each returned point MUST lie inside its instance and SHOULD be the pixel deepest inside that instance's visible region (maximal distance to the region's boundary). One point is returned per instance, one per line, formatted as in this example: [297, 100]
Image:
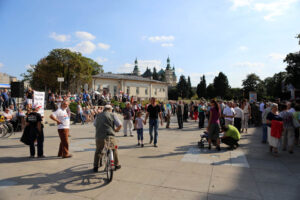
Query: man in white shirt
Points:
[63, 123]
[239, 114]
[229, 113]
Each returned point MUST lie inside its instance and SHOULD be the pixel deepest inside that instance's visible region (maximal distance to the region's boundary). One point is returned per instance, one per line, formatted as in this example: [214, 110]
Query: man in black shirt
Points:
[153, 111]
[33, 120]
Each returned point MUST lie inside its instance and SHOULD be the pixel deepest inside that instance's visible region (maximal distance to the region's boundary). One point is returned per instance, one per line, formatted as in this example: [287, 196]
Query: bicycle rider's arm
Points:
[117, 123]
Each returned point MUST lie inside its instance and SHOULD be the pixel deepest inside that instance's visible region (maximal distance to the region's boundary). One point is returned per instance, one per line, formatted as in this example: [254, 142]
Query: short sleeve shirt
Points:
[63, 117]
[271, 116]
[128, 113]
[153, 111]
[33, 118]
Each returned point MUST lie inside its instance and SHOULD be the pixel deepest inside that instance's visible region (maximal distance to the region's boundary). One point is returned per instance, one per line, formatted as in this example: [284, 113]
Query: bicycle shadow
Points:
[75, 179]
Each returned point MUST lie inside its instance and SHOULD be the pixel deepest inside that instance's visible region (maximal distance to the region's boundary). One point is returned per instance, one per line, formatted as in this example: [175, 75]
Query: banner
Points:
[252, 97]
[39, 100]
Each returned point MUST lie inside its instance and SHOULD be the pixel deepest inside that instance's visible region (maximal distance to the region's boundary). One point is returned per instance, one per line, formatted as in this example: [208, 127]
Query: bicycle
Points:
[108, 158]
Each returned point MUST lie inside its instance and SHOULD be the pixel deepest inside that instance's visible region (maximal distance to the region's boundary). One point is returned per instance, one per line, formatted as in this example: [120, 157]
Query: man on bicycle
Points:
[106, 123]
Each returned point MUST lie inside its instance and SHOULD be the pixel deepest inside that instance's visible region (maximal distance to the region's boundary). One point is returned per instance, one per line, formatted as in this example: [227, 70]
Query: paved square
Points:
[177, 169]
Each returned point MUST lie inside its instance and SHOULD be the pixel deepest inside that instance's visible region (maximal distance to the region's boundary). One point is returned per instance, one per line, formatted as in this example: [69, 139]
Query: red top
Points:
[276, 128]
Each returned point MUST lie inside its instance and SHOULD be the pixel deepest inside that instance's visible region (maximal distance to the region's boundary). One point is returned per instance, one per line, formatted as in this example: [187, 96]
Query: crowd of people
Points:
[222, 121]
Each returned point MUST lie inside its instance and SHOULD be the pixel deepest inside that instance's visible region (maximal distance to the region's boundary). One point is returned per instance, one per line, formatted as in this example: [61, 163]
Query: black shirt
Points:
[153, 111]
[271, 116]
[29, 95]
[33, 118]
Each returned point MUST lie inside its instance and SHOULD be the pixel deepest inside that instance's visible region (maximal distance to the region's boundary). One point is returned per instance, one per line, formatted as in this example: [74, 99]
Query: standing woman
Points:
[195, 110]
[247, 114]
[214, 125]
[273, 141]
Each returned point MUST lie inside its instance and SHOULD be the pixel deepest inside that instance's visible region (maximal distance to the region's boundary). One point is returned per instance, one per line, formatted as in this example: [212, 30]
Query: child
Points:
[138, 125]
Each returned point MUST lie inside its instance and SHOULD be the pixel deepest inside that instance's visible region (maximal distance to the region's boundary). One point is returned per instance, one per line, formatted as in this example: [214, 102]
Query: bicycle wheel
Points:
[4, 130]
[109, 165]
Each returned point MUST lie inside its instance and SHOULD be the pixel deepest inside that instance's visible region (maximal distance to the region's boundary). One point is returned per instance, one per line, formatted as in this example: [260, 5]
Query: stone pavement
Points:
[177, 169]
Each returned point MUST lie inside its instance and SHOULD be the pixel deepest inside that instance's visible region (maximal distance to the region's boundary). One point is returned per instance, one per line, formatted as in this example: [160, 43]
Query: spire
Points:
[136, 70]
[168, 63]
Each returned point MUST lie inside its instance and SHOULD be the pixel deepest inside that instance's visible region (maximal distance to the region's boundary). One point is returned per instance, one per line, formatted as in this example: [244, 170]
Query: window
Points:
[163, 89]
[128, 90]
[115, 90]
[137, 90]
[146, 91]
[155, 91]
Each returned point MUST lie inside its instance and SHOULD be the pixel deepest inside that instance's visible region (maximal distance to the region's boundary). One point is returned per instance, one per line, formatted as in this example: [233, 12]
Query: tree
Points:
[235, 93]
[172, 93]
[155, 74]
[162, 77]
[293, 69]
[75, 68]
[182, 87]
[201, 88]
[273, 85]
[210, 91]
[189, 88]
[251, 83]
[221, 85]
[147, 73]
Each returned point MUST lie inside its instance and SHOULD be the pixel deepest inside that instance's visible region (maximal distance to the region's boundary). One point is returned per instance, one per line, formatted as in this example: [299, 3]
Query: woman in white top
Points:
[247, 114]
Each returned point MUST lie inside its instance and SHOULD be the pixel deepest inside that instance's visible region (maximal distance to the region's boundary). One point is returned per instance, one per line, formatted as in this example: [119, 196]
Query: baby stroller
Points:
[204, 139]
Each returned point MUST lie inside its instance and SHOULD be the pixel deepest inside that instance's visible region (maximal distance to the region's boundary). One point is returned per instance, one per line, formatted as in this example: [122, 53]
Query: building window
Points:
[137, 90]
[155, 91]
[128, 90]
[115, 90]
[163, 89]
[146, 91]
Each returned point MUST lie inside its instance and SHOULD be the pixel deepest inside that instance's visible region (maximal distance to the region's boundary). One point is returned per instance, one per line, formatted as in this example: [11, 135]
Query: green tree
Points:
[235, 93]
[251, 83]
[201, 88]
[172, 93]
[181, 87]
[75, 68]
[155, 74]
[293, 67]
[273, 85]
[221, 85]
[189, 88]
[162, 77]
[210, 91]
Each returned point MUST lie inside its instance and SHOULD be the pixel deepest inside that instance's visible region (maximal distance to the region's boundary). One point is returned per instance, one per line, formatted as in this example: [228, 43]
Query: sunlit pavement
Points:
[177, 169]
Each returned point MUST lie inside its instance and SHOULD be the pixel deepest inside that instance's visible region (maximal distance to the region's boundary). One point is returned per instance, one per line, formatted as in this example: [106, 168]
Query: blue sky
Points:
[236, 37]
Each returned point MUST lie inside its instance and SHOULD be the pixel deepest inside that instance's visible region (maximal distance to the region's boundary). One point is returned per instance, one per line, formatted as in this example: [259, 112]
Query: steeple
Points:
[168, 64]
[136, 70]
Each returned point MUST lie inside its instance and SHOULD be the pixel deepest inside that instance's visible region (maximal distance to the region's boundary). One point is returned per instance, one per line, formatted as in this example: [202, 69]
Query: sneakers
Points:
[125, 135]
[42, 156]
[142, 145]
[138, 144]
[68, 156]
[131, 135]
[150, 141]
[155, 145]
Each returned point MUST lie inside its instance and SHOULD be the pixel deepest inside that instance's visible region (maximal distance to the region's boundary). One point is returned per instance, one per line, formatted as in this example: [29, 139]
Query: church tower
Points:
[170, 74]
[136, 70]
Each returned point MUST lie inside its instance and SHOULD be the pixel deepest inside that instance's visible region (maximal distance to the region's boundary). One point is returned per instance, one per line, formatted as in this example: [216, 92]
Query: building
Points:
[6, 79]
[137, 86]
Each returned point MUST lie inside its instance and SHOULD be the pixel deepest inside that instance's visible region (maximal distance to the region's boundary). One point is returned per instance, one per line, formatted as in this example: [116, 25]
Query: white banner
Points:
[39, 100]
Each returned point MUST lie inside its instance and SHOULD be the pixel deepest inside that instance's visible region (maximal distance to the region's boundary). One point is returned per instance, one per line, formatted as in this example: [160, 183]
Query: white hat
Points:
[108, 107]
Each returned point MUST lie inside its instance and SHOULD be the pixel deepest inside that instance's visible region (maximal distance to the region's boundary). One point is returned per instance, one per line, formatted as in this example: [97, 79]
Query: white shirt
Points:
[63, 117]
[228, 112]
[262, 107]
[239, 112]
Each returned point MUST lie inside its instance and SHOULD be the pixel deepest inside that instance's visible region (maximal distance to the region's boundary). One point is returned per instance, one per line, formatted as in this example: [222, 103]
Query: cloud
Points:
[195, 77]
[101, 60]
[249, 64]
[243, 48]
[160, 38]
[167, 44]
[84, 35]
[60, 38]
[143, 64]
[271, 9]
[276, 56]
[104, 46]
[1, 64]
[29, 66]
[179, 70]
[85, 47]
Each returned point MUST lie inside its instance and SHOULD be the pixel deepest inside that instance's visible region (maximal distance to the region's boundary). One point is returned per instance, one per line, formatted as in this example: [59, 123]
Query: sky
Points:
[236, 37]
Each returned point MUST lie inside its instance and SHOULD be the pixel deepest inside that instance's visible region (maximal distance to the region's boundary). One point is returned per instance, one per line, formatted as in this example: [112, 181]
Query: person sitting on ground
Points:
[231, 136]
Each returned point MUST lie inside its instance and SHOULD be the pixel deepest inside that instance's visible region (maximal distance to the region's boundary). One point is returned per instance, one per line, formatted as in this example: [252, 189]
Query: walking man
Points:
[153, 111]
[180, 112]
[229, 114]
[63, 124]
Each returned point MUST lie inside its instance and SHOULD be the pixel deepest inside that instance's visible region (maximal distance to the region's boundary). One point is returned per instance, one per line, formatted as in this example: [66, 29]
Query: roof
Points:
[126, 77]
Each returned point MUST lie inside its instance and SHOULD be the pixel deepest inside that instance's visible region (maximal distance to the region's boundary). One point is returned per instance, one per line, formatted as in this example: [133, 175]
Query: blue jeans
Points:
[80, 115]
[153, 123]
[140, 134]
[265, 133]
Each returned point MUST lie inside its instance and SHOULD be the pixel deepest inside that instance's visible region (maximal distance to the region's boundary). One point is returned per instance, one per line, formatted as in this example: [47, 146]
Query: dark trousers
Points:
[64, 142]
[201, 119]
[180, 121]
[40, 142]
[230, 141]
[238, 123]
[153, 125]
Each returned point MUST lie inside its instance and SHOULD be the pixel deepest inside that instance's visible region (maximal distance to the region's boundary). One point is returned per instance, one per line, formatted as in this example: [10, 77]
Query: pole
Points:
[60, 88]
